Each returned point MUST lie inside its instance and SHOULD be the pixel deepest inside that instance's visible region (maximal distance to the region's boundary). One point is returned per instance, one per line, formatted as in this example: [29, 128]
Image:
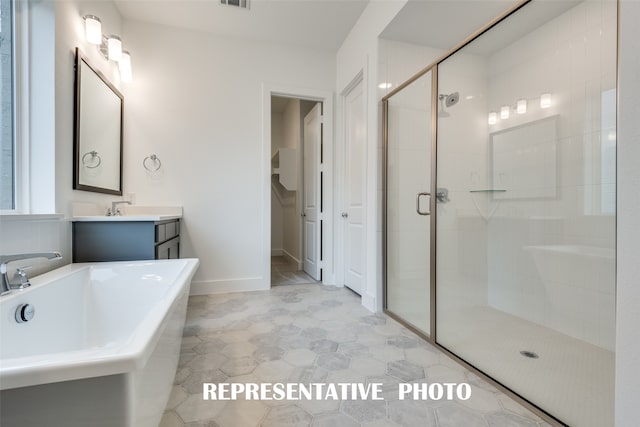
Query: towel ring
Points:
[93, 155]
[152, 163]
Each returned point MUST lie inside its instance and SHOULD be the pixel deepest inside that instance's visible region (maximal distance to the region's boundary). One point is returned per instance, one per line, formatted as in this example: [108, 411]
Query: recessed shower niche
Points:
[521, 282]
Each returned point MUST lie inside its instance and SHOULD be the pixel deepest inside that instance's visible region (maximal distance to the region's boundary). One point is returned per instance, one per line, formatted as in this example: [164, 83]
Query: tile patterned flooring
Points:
[285, 273]
[310, 333]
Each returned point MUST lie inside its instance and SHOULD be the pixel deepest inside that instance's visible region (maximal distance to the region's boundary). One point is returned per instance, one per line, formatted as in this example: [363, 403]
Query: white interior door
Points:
[312, 182]
[355, 179]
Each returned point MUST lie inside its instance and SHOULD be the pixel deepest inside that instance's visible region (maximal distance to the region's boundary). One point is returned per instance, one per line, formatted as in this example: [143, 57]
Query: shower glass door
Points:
[408, 146]
[525, 271]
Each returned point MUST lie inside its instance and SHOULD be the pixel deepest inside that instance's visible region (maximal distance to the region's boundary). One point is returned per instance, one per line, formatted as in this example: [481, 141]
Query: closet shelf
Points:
[284, 164]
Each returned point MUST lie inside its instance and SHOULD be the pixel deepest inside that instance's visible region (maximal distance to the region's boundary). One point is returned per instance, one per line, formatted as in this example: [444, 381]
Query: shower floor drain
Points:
[529, 354]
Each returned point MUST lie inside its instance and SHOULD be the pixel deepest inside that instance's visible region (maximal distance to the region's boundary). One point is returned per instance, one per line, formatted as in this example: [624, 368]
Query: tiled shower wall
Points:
[577, 213]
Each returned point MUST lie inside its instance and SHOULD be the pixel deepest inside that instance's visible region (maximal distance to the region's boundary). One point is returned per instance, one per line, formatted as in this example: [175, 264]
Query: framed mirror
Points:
[98, 117]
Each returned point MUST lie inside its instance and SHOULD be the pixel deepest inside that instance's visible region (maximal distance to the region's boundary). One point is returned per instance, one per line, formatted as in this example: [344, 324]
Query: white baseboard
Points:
[369, 302]
[277, 252]
[292, 259]
[206, 287]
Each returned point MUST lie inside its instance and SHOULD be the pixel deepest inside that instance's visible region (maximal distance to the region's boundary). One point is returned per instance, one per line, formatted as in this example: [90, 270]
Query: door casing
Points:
[327, 98]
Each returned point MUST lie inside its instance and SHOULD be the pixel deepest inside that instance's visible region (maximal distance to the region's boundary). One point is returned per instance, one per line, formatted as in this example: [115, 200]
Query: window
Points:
[7, 108]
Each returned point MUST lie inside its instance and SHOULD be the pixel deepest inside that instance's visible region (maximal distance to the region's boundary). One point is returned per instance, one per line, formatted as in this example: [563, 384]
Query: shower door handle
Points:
[418, 203]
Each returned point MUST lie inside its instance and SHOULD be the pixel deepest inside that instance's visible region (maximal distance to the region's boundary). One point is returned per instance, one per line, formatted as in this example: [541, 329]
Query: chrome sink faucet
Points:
[114, 211]
[6, 286]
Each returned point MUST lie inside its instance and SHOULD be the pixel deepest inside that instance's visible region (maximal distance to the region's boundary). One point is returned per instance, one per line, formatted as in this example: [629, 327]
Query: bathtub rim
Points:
[121, 357]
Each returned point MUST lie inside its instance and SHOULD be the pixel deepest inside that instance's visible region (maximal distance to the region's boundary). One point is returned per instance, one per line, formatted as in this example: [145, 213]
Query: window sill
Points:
[29, 217]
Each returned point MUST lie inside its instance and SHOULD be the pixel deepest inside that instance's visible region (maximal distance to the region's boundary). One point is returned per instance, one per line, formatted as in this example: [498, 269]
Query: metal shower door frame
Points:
[432, 200]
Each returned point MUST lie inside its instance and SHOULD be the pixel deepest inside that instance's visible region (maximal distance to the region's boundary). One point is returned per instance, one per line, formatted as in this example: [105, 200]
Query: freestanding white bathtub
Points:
[102, 348]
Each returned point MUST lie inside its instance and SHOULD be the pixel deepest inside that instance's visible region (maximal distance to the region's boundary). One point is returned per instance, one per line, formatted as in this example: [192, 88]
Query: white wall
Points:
[196, 102]
[285, 219]
[399, 61]
[290, 213]
[359, 54]
[628, 228]
[43, 235]
[69, 35]
[58, 29]
[277, 232]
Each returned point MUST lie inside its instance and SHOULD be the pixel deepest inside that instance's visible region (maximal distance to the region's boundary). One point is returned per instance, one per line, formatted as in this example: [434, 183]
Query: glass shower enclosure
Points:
[515, 273]
[408, 204]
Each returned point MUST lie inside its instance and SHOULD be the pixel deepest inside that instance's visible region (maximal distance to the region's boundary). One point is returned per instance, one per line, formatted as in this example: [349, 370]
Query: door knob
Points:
[345, 215]
[442, 195]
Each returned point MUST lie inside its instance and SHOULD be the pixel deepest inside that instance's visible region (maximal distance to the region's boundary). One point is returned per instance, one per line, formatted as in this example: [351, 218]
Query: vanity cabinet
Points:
[95, 241]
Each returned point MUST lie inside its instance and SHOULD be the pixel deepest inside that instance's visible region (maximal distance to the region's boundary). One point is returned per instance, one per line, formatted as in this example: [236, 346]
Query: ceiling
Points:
[442, 23]
[446, 23]
[320, 24]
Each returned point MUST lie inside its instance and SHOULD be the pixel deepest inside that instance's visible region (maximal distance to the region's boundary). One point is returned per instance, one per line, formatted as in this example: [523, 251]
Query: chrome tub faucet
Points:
[6, 285]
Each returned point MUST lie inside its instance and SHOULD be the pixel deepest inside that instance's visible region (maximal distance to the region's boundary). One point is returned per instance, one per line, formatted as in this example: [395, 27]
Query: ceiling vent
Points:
[241, 4]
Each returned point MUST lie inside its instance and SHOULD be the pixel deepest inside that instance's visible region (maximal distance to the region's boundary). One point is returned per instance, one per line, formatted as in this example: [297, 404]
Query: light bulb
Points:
[521, 106]
[115, 48]
[93, 29]
[545, 100]
[125, 67]
[504, 112]
[493, 118]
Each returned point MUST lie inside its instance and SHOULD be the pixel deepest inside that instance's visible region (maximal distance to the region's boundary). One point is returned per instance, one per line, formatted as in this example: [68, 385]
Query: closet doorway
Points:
[296, 191]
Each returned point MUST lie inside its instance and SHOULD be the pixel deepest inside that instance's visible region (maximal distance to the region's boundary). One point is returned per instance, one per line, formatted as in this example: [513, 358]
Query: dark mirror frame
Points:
[80, 57]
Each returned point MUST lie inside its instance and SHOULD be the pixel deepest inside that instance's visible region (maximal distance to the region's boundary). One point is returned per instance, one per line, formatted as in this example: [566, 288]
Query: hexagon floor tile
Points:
[305, 333]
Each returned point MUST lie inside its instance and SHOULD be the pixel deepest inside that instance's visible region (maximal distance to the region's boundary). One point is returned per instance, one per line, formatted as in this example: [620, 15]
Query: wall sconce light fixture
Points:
[93, 29]
[109, 46]
[125, 67]
[114, 48]
[504, 112]
[545, 100]
[521, 106]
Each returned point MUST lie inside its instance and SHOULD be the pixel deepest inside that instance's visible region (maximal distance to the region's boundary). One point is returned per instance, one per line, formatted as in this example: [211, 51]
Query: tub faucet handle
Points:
[21, 277]
[5, 285]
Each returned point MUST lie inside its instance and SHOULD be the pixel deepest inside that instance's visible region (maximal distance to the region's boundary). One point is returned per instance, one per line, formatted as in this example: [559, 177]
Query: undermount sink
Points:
[93, 212]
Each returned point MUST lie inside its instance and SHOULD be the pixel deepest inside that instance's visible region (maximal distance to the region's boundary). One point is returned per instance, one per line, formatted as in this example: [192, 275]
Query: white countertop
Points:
[86, 212]
[121, 218]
